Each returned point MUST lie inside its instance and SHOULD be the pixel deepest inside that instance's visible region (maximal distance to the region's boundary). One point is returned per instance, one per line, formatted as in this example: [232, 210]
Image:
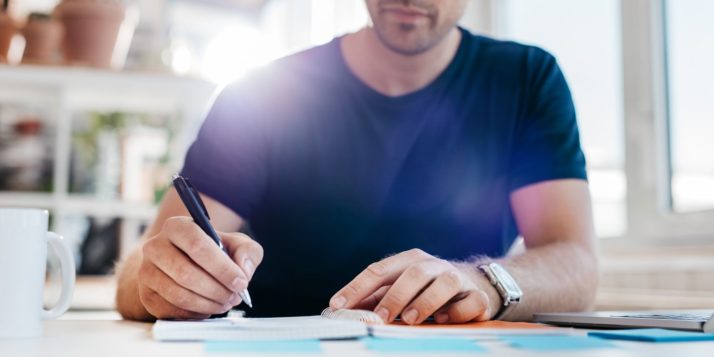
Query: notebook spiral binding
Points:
[365, 316]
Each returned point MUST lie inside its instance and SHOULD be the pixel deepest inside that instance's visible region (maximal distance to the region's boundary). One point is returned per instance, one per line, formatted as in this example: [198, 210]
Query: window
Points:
[585, 38]
[690, 54]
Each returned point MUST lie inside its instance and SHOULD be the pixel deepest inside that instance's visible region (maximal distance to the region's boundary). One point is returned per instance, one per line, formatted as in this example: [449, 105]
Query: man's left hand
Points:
[417, 285]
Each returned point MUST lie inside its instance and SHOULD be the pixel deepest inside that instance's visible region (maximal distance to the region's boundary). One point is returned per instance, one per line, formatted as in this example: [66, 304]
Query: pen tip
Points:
[246, 298]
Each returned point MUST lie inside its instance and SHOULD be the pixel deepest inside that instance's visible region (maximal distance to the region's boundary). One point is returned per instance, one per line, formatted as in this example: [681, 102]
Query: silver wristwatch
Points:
[506, 286]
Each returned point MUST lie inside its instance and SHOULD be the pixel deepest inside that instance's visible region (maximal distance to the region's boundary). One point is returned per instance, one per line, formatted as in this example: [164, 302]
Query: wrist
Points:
[505, 285]
[495, 301]
[481, 283]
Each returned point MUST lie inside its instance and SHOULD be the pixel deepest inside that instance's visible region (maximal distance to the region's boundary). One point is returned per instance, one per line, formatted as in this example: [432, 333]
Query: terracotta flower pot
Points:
[8, 29]
[43, 38]
[91, 29]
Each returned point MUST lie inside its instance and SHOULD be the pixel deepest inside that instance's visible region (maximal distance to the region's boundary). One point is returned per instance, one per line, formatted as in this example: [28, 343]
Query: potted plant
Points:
[8, 28]
[43, 37]
[91, 30]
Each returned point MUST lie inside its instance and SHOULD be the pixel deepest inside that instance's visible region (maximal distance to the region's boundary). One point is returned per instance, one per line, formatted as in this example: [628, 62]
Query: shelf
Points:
[108, 208]
[65, 96]
[27, 199]
[107, 90]
[86, 205]
[83, 77]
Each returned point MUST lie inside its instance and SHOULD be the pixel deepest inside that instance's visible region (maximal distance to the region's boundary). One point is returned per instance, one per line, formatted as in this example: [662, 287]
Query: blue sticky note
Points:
[654, 335]
[424, 345]
[555, 342]
[297, 346]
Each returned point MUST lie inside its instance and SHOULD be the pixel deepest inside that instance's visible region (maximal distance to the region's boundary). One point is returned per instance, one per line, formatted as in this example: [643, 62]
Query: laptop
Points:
[690, 320]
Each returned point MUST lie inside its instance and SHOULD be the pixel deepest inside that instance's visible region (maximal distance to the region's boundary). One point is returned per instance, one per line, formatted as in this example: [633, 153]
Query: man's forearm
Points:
[561, 276]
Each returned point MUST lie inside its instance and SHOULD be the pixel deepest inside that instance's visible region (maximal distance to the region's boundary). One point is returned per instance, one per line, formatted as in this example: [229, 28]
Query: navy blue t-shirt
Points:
[331, 175]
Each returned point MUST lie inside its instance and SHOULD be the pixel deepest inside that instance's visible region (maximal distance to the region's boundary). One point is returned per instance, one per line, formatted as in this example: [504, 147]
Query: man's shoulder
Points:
[310, 62]
[311, 58]
[507, 52]
[312, 66]
[499, 47]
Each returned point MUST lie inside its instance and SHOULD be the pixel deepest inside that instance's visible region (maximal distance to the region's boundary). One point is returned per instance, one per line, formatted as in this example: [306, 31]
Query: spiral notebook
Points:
[332, 324]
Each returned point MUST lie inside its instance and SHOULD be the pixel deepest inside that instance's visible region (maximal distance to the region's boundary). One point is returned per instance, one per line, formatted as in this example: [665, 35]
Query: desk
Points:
[91, 334]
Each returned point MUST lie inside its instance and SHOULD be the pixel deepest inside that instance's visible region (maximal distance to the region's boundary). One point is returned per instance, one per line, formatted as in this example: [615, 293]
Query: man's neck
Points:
[391, 73]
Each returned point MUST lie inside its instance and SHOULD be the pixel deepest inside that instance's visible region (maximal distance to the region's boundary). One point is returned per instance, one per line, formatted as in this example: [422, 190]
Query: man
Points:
[412, 140]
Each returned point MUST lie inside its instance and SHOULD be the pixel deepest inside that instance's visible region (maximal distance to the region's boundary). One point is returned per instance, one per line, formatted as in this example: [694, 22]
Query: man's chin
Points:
[407, 50]
[407, 43]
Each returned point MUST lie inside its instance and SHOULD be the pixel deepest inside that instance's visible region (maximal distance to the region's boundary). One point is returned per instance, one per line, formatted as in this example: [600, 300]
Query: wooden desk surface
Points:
[104, 334]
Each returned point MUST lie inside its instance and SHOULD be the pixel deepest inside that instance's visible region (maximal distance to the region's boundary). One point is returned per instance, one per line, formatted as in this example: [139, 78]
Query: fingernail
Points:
[249, 267]
[383, 313]
[235, 299]
[441, 317]
[410, 316]
[238, 283]
[339, 302]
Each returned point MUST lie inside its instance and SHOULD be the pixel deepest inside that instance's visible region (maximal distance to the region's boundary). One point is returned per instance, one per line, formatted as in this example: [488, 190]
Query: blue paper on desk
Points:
[424, 345]
[654, 335]
[291, 346]
[555, 342]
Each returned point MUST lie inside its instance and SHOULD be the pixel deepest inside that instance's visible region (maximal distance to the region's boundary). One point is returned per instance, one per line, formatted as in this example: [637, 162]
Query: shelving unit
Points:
[61, 92]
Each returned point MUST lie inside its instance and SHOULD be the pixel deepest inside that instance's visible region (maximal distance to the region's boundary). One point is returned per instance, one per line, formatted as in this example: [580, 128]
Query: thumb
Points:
[246, 252]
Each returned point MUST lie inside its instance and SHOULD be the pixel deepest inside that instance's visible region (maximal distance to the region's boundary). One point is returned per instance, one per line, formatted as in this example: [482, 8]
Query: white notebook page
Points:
[278, 328]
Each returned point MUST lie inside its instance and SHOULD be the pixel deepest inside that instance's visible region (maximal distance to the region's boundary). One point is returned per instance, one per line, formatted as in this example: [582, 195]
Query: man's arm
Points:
[557, 272]
[177, 271]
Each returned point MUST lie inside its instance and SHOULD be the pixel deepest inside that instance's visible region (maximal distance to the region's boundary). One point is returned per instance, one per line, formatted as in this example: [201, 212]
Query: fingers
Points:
[177, 295]
[416, 285]
[188, 237]
[410, 284]
[184, 274]
[174, 263]
[370, 302]
[246, 252]
[374, 277]
[159, 308]
[473, 307]
[446, 286]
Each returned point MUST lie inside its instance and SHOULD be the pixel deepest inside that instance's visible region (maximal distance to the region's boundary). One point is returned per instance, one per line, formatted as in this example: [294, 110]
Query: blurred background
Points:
[99, 100]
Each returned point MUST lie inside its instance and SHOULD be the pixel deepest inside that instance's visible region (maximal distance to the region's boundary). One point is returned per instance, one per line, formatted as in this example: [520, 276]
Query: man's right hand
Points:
[184, 275]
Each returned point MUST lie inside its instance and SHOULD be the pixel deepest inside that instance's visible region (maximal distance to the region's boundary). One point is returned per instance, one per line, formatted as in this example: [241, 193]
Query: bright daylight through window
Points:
[690, 31]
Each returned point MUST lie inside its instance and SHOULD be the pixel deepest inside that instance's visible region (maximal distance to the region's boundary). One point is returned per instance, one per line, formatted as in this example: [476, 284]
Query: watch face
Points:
[507, 281]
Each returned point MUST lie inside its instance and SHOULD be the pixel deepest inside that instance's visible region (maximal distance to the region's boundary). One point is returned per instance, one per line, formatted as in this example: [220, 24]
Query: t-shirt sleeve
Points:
[227, 161]
[546, 142]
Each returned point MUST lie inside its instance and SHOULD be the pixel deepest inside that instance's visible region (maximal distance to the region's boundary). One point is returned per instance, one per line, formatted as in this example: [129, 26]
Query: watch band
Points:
[506, 286]
[504, 311]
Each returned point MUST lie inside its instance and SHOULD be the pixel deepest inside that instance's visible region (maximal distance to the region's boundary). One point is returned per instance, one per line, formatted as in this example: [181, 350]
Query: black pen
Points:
[199, 213]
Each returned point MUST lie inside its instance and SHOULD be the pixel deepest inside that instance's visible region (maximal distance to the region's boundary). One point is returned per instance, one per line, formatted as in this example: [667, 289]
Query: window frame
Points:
[650, 215]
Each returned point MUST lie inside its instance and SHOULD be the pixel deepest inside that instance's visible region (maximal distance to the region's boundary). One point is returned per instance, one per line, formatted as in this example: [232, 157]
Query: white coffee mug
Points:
[23, 258]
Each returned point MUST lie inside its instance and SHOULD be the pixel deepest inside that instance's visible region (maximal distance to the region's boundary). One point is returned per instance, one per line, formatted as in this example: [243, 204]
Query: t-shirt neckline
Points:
[442, 78]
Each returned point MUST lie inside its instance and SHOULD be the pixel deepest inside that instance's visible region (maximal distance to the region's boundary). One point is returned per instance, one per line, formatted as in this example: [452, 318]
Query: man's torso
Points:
[352, 176]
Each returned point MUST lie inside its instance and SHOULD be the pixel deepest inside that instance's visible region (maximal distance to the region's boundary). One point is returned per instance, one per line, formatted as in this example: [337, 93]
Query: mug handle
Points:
[67, 268]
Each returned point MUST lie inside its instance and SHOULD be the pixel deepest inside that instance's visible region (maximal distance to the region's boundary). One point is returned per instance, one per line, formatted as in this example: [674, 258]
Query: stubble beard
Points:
[394, 38]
